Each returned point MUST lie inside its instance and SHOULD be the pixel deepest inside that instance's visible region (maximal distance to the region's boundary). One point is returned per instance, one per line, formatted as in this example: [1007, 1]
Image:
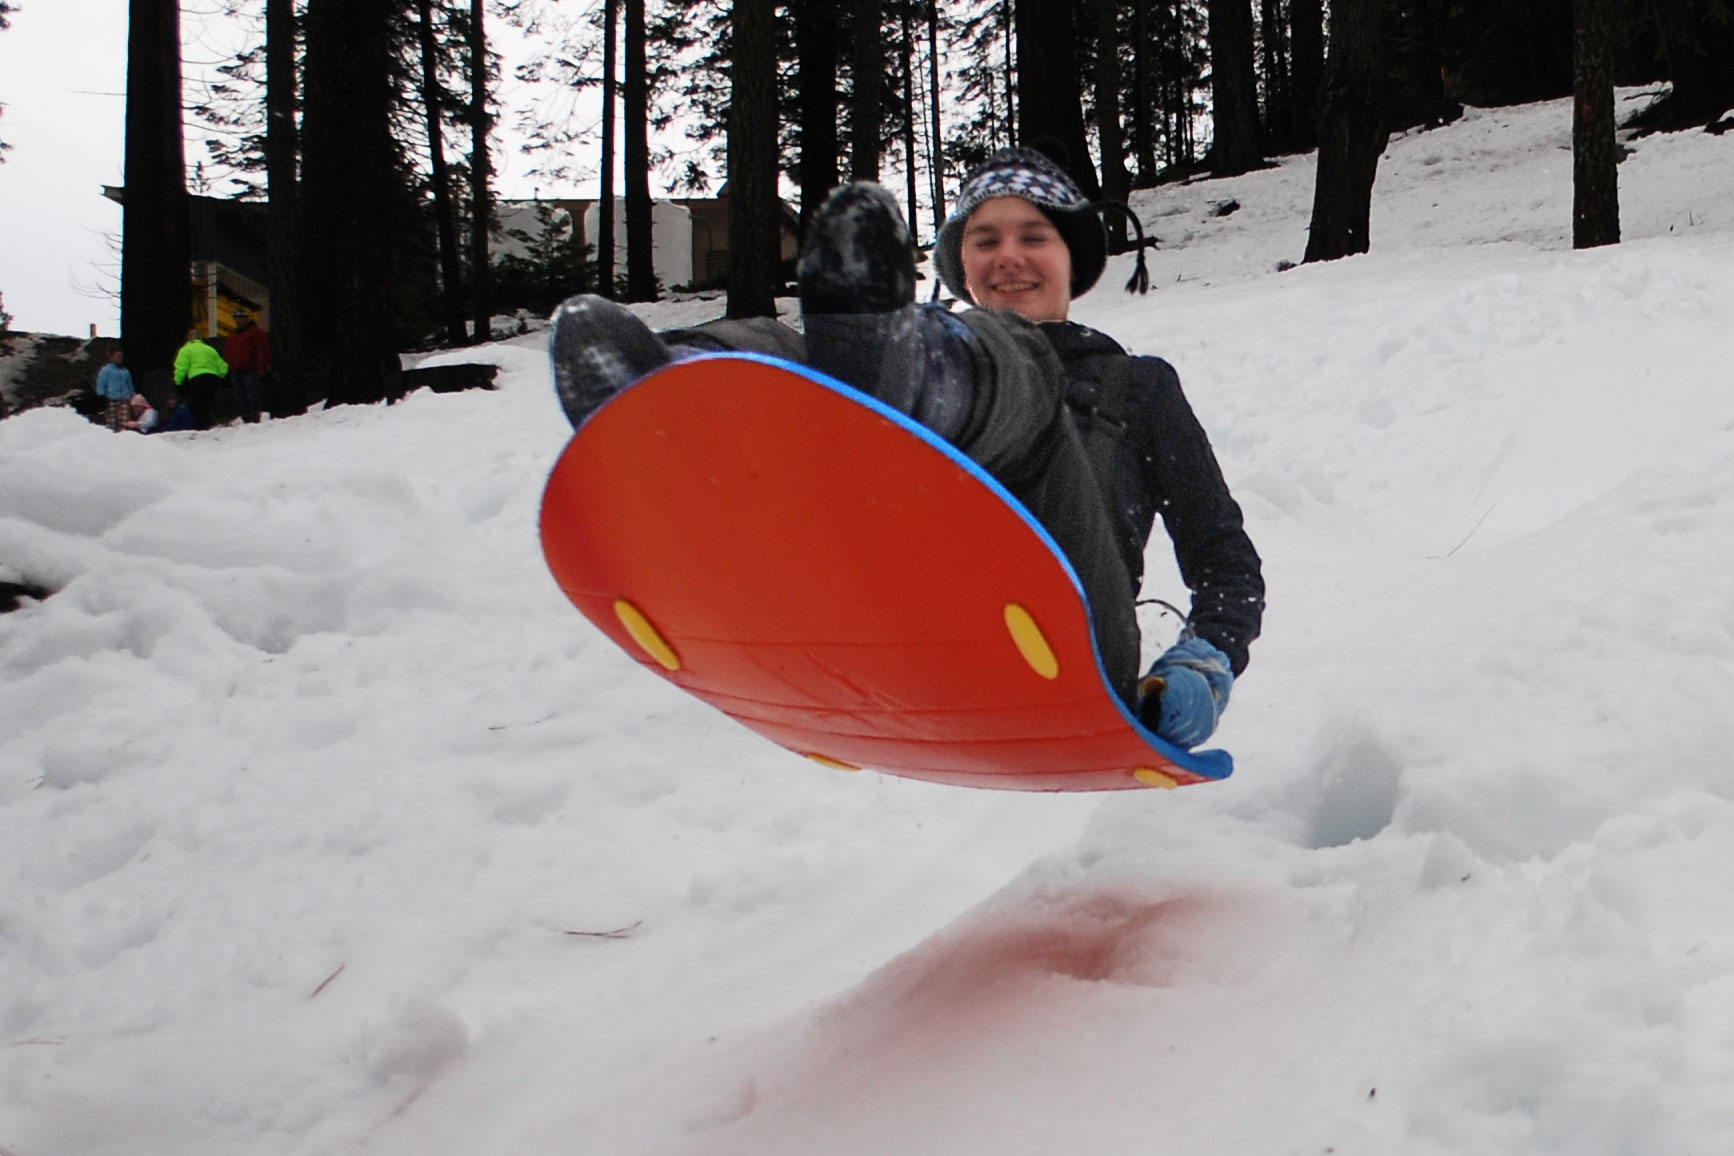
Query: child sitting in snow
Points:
[144, 416]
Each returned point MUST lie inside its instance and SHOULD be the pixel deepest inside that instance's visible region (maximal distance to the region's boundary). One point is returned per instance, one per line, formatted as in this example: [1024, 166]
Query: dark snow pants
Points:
[1019, 431]
[201, 397]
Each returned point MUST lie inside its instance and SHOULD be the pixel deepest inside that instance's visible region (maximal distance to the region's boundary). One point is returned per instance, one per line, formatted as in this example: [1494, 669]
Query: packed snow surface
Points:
[327, 826]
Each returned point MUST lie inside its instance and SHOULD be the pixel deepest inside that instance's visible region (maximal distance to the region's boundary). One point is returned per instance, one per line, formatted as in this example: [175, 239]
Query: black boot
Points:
[858, 257]
[857, 280]
[598, 349]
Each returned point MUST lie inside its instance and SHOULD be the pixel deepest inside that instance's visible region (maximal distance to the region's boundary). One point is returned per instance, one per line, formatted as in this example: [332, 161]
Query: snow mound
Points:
[326, 826]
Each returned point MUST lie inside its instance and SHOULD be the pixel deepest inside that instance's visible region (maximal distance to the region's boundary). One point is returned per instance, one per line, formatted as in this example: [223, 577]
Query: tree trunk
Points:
[1049, 91]
[755, 215]
[640, 228]
[282, 155]
[1008, 29]
[913, 216]
[348, 185]
[1116, 180]
[445, 216]
[1595, 184]
[605, 194]
[1143, 96]
[1234, 146]
[1306, 70]
[1351, 134]
[936, 157]
[481, 182]
[866, 110]
[155, 266]
[816, 93]
[1273, 64]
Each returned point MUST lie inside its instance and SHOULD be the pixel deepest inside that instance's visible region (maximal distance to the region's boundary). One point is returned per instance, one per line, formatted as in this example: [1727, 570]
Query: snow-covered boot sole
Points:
[598, 349]
[857, 281]
[858, 257]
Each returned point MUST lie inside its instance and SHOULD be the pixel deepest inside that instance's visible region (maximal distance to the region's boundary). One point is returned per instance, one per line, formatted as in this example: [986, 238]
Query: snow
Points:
[326, 826]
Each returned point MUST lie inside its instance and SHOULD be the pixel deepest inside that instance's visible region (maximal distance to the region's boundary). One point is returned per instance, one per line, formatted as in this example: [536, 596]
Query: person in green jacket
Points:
[200, 370]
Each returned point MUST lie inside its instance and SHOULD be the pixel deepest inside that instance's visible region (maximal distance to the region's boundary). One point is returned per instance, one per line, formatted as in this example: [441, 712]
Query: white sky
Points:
[62, 79]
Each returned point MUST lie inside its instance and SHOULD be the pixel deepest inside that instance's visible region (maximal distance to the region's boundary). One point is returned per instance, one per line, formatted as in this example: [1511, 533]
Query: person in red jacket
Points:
[248, 352]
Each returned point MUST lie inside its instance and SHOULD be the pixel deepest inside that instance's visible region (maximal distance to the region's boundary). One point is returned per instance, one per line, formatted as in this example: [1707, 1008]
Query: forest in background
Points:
[367, 127]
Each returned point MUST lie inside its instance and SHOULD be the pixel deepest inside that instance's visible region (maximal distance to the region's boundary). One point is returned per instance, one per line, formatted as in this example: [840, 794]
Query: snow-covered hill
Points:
[327, 827]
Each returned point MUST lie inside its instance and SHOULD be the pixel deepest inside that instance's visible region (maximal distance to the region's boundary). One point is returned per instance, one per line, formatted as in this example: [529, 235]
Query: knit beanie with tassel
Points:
[1036, 178]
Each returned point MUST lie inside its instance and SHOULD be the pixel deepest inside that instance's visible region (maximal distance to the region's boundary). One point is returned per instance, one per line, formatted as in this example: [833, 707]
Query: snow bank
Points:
[326, 826]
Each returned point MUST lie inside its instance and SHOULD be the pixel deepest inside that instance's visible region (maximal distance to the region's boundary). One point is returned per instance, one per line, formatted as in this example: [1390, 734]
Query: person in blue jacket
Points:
[1094, 442]
[114, 386]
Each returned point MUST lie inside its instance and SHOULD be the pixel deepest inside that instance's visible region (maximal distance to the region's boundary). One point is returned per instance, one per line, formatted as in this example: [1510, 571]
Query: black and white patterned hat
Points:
[1034, 177]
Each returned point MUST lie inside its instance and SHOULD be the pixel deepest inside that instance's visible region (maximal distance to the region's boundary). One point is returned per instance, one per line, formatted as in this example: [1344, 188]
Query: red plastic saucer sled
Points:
[834, 576]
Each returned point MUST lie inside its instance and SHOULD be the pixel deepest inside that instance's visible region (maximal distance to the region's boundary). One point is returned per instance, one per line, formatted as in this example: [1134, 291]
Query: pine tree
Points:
[984, 84]
[155, 266]
[1277, 122]
[1352, 133]
[1167, 42]
[1595, 182]
[551, 267]
[434, 102]
[231, 109]
[1235, 146]
[1143, 93]
[692, 44]
[605, 192]
[1306, 71]
[481, 173]
[936, 137]
[866, 111]
[906, 48]
[640, 230]
[349, 184]
[816, 67]
[1116, 179]
[1050, 104]
[284, 239]
[753, 211]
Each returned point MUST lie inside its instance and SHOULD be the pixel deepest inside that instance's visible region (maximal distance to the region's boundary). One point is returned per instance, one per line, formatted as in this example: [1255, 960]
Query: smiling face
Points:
[1014, 258]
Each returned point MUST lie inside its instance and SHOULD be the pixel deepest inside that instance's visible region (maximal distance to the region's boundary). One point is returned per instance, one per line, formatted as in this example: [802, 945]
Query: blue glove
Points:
[1185, 692]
